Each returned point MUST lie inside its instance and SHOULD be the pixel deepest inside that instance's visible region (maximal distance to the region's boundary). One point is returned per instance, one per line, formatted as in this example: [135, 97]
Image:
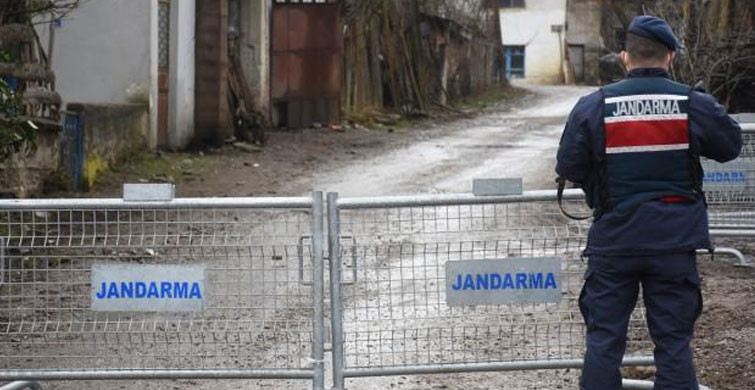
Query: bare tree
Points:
[37, 11]
[719, 44]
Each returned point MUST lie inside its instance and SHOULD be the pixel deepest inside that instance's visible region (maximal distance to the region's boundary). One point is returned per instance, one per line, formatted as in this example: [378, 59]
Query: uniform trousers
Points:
[672, 298]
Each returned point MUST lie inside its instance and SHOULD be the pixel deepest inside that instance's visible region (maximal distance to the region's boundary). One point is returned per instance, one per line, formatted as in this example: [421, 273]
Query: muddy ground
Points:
[438, 155]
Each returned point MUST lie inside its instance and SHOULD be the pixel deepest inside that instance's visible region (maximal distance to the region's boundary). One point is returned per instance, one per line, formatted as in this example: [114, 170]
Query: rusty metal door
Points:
[307, 47]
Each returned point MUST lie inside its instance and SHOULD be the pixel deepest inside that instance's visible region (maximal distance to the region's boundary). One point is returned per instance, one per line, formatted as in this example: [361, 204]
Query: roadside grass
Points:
[160, 167]
[490, 97]
[381, 118]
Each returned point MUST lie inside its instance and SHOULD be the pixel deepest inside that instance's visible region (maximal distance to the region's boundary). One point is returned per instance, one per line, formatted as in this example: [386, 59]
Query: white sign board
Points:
[731, 176]
[155, 288]
[504, 281]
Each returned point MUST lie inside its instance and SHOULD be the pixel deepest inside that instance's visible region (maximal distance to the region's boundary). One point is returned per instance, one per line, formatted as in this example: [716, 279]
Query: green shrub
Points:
[16, 133]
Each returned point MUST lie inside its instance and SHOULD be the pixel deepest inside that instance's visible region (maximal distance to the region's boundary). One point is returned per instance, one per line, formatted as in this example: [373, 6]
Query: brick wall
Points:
[211, 115]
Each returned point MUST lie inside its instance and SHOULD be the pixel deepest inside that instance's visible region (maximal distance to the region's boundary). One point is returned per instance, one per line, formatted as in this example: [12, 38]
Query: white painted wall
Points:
[102, 50]
[106, 51]
[102, 53]
[531, 27]
[181, 92]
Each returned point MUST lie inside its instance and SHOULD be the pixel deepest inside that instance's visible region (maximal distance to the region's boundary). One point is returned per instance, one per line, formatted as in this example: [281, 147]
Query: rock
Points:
[316, 125]
[187, 161]
[246, 147]
[387, 119]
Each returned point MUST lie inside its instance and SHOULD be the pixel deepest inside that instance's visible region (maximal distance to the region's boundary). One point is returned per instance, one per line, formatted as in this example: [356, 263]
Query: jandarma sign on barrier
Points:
[512, 280]
[174, 288]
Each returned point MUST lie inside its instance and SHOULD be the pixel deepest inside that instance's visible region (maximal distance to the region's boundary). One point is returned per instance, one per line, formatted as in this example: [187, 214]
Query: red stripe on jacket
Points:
[644, 133]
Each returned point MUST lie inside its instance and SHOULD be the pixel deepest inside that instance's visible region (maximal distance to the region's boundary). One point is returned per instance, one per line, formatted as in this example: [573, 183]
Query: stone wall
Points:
[112, 133]
[25, 175]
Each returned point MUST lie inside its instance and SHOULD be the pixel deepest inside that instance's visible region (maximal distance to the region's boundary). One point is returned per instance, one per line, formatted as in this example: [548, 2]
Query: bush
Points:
[16, 133]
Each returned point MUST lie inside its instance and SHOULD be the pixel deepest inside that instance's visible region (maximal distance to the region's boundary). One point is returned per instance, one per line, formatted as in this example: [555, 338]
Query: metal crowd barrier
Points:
[186, 288]
[73, 310]
[396, 319]
[730, 191]
[732, 185]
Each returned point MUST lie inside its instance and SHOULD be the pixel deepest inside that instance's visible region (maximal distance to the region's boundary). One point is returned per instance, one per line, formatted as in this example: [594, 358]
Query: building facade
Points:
[125, 52]
[533, 32]
[552, 41]
[583, 41]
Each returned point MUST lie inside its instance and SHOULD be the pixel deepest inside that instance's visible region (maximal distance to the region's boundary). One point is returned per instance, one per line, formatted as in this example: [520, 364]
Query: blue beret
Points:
[655, 29]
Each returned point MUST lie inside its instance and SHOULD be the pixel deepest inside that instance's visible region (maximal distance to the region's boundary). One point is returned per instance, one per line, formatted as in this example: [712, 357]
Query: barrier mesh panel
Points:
[394, 298]
[257, 313]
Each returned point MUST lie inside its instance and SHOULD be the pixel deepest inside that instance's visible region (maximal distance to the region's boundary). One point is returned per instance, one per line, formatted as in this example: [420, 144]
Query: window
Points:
[514, 56]
[511, 3]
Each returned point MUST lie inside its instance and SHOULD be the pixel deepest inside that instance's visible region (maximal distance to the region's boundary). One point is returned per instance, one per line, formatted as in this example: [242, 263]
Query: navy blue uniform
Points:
[645, 232]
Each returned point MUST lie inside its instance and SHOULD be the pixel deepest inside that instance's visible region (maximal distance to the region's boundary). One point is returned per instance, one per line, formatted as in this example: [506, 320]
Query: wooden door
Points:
[577, 59]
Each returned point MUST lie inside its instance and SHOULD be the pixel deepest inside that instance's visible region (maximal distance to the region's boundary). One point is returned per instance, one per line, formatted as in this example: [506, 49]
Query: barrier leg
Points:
[742, 260]
[318, 281]
[736, 253]
[631, 384]
[334, 251]
[20, 385]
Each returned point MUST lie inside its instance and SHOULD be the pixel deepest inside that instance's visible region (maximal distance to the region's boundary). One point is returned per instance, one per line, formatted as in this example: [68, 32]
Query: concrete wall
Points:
[255, 51]
[112, 132]
[181, 92]
[584, 22]
[531, 27]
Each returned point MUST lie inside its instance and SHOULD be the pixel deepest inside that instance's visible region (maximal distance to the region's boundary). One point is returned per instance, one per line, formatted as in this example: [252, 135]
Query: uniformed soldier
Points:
[634, 147]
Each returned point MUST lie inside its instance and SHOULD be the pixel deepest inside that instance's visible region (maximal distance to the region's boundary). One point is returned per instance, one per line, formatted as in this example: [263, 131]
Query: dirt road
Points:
[518, 142]
[437, 156]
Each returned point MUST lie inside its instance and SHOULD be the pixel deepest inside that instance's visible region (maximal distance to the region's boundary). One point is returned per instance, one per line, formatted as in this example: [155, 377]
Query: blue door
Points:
[514, 56]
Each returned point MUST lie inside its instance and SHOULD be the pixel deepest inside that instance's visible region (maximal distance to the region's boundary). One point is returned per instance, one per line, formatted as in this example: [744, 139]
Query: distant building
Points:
[532, 32]
[583, 40]
[551, 41]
